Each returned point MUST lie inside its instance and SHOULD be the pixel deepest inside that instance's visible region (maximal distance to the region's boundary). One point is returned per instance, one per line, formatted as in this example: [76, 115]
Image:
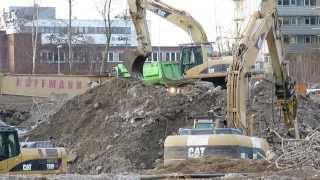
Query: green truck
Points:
[159, 73]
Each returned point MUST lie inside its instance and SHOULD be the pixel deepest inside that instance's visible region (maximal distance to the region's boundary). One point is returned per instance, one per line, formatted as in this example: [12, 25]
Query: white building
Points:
[20, 20]
[84, 31]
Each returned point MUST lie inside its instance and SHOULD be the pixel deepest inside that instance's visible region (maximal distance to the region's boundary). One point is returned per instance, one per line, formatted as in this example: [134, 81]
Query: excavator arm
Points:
[262, 26]
[134, 61]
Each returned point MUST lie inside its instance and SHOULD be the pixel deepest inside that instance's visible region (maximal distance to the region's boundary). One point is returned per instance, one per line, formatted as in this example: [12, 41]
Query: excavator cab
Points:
[193, 55]
[17, 160]
[9, 143]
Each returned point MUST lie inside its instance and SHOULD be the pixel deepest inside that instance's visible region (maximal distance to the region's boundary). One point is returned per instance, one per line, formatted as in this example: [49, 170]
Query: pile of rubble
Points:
[28, 112]
[121, 125]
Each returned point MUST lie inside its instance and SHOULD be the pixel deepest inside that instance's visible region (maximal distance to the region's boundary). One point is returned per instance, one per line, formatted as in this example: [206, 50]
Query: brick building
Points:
[16, 56]
[88, 43]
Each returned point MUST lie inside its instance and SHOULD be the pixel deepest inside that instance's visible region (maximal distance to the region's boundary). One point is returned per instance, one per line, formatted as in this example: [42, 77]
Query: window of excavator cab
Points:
[204, 125]
[13, 145]
[190, 57]
[3, 154]
[9, 145]
[209, 51]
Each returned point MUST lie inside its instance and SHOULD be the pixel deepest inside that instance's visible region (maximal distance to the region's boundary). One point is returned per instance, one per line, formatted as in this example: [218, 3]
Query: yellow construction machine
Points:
[17, 160]
[197, 59]
[231, 143]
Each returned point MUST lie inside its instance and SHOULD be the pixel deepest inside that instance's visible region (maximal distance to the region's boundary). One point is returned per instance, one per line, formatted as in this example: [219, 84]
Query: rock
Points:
[96, 105]
[99, 169]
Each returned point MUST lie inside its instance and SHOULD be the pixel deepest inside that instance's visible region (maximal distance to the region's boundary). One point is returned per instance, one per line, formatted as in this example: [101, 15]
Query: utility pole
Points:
[70, 38]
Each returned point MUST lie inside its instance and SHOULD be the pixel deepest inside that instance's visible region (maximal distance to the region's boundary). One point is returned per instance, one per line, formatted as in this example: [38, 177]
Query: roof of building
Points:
[78, 23]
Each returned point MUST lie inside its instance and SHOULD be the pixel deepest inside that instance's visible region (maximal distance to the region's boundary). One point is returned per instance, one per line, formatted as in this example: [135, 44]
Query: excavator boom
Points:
[262, 26]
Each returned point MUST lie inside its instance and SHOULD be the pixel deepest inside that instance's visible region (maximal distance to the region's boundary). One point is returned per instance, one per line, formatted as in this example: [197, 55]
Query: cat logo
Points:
[196, 152]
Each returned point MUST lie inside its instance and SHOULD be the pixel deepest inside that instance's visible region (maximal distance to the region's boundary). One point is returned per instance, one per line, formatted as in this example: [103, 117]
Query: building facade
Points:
[88, 43]
[16, 56]
[300, 24]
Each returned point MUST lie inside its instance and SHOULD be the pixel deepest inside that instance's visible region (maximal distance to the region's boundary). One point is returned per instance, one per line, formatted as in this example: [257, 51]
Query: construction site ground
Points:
[117, 130]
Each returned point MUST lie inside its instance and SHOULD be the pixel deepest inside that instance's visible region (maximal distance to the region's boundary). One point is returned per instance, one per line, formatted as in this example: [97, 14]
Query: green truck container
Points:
[161, 73]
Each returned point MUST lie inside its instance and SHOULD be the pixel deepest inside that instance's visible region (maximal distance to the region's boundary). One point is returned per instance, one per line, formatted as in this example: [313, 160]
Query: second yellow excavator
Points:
[197, 59]
[235, 137]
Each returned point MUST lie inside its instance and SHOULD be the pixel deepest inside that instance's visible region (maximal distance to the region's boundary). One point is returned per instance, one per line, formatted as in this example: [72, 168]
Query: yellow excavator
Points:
[197, 59]
[233, 138]
[15, 159]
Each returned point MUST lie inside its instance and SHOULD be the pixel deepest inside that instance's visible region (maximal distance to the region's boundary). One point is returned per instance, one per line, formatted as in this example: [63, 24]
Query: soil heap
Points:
[121, 125]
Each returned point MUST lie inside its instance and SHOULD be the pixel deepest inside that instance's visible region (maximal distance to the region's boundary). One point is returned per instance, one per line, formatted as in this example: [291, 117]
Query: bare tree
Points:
[70, 58]
[105, 14]
[35, 15]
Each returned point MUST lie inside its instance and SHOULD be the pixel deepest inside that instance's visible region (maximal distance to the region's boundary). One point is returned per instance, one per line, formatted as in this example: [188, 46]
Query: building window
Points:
[300, 39]
[307, 39]
[55, 55]
[160, 56]
[154, 56]
[44, 56]
[110, 57]
[286, 39]
[167, 56]
[98, 57]
[292, 40]
[279, 2]
[312, 20]
[312, 2]
[50, 56]
[173, 56]
[306, 2]
[301, 20]
[318, 38]
[178, 56]
[293, 2]
[307, 20]
[300, 2]
[286, 2]
[293, 20]
[286, 20]
[313, 39]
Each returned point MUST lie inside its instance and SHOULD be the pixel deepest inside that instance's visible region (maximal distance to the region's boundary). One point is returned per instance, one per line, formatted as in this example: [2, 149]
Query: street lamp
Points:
[59, 46]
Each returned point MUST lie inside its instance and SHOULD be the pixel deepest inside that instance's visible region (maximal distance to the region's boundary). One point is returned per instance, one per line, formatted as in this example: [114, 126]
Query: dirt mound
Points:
[121, 126]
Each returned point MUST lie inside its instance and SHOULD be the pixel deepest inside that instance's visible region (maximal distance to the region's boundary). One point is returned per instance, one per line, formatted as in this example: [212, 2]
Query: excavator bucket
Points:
[133, 61]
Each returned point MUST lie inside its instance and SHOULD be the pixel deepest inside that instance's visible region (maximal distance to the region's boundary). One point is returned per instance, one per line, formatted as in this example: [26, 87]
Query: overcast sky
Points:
[210, 14]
